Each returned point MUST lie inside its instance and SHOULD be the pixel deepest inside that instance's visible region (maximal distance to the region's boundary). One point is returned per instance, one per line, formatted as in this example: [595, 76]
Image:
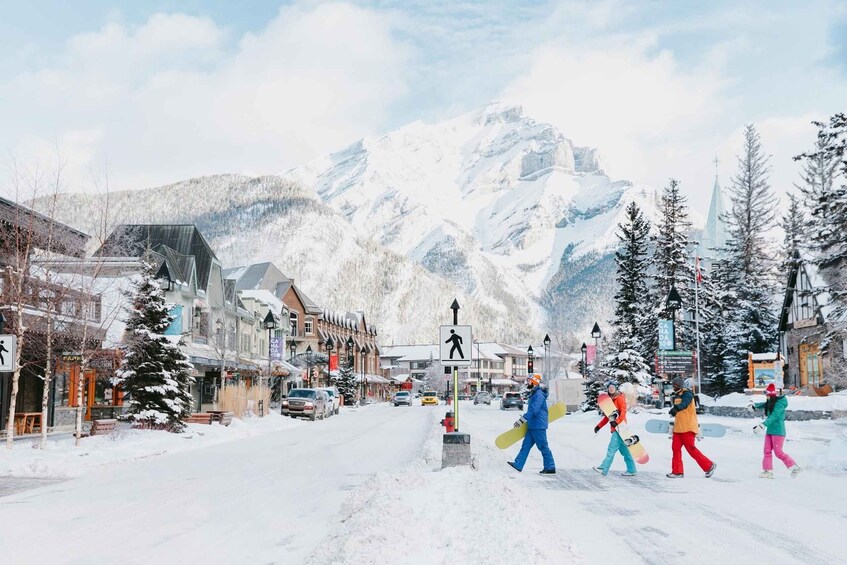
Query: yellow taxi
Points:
[429, 397]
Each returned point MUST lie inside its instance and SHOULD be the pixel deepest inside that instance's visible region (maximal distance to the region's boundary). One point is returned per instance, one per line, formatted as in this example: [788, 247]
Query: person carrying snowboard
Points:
[685, 431]
[536, 424]
[774, 426]
[616, 444]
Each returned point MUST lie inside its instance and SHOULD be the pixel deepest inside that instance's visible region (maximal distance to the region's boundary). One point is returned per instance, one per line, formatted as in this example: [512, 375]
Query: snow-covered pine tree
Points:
[154, 373]
[626, 361]
[793, 227]
[346, 383]
[825, 196]
[717, 330]
[672, 267]
[752, 214]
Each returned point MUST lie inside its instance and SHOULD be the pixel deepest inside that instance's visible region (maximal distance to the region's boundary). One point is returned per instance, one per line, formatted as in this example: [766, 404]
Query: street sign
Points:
[666, 335]
[678, 362]
[456, 345]
[8, 347]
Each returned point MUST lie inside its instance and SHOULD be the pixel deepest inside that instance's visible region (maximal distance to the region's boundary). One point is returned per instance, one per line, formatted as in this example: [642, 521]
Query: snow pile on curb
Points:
[835, 401]
[61, 459]
[430, 516]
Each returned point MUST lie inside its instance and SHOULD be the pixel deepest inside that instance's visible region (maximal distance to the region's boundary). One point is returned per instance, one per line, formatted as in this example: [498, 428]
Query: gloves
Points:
[673, 411]
[520, 421]
[596, 429]
[699, 437]
[751, 408]
[613, 424]
[758, 429]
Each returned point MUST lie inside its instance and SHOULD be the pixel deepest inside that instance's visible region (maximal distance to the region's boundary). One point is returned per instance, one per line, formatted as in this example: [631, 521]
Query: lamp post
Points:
[584, 349]
[596, 334]
[309, 362]
[479, 369]
[546, 357]
[269, 324]
[673, 303]
[362, 371]
[330, 345]
[530, 361]
[350, 357]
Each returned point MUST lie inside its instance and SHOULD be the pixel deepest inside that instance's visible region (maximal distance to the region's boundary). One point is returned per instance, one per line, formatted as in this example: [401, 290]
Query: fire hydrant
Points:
[447, 422]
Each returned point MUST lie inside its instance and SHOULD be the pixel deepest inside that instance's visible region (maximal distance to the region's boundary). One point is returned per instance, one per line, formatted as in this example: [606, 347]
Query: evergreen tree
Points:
[346, 383]
[631, 305]
[155, 374]
[672, 267]
[793, 227]
[719, 365]
[626, 362]
[593, 388]
[748, 275]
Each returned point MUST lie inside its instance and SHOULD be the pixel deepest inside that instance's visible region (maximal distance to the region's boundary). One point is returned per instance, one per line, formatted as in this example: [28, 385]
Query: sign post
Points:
[456, 350]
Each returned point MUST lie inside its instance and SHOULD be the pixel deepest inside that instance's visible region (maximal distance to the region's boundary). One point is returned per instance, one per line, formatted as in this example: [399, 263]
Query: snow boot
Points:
[512, 465]
[795, 470]
[766, 475]
[711, 470]
[599, 470]
[674, 475]
[547, 472]
[628, 474]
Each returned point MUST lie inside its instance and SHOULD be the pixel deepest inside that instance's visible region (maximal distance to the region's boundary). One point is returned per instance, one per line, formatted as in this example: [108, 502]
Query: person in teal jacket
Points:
[774, 426]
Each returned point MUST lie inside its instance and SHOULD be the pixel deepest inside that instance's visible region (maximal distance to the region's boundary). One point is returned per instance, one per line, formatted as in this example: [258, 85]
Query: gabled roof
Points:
[824, 305]
[65, 239]
[133, 240]
[260, 276]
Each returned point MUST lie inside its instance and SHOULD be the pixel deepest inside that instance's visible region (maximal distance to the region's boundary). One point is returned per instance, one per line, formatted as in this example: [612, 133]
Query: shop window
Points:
[293, 323]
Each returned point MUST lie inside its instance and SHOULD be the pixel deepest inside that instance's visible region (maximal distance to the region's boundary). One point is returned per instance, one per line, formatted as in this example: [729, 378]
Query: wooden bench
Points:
[100, 428]
[200, 418]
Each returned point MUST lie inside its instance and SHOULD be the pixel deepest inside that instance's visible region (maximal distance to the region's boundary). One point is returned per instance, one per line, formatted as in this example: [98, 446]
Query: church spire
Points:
[715, 234]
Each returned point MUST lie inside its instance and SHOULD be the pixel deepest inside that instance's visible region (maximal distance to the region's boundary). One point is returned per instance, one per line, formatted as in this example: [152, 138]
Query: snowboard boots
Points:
[512, 465]
[547, 472]
[674, 475]
[628, 474]
[795, 470]
[766, 475]
[711, 470]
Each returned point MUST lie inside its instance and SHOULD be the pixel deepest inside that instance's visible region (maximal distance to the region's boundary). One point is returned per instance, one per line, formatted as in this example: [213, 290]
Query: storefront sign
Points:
[68, 357]
[809, 323]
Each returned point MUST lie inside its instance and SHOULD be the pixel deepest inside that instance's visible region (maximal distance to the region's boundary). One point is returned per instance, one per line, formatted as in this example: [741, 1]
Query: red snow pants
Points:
[686, 439]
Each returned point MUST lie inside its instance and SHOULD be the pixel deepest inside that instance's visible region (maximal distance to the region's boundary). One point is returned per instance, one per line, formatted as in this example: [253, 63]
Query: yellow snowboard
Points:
[507, 439]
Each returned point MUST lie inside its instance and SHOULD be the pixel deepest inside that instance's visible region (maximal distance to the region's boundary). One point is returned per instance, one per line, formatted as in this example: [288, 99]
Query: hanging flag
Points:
[698, 274]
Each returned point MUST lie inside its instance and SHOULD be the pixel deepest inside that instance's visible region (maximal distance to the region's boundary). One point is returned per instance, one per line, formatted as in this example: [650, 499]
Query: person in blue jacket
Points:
[536, 424]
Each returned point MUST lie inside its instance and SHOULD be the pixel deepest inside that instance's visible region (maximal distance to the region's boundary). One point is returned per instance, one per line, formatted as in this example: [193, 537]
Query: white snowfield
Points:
[366, 487]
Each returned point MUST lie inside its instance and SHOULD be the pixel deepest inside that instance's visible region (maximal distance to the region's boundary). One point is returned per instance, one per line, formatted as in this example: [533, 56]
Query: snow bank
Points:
[61, 459]
[836, 401]
[431, 516]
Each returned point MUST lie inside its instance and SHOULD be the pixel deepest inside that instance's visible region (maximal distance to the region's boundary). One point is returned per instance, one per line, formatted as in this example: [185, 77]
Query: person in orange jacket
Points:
[685, 431]
[616, 444]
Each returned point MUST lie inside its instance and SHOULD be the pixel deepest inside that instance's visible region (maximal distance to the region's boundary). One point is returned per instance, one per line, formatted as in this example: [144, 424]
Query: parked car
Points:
[482, 398]
[511, 400]
[305, 403]
[429, 397]
[403, 397]
[464, 396]
[334, 396]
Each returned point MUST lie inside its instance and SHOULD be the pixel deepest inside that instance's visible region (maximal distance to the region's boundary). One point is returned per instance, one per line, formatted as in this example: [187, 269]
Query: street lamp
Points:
[329, 347]
[673, 303]
[546, 357]
[309, 362]
[596, 334]
[269, 324]
[529, 361]
[584, 358]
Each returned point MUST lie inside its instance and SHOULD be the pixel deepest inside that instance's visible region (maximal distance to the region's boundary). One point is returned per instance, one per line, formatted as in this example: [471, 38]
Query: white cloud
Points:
[176, 97]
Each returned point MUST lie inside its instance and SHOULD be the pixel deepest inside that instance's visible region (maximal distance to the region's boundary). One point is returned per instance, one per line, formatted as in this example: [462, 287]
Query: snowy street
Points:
[366, 487]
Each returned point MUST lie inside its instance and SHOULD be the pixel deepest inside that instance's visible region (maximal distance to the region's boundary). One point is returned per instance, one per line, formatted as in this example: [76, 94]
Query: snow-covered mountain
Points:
[506, 208]
[492, 207]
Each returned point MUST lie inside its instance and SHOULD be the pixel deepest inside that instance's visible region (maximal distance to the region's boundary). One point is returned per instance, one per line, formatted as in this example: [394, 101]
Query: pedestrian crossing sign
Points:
[8, 345]
[456, 346]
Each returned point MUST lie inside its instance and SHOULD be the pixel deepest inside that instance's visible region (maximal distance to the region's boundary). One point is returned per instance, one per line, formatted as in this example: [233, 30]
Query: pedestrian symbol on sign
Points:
[457, 344]
[2, 351]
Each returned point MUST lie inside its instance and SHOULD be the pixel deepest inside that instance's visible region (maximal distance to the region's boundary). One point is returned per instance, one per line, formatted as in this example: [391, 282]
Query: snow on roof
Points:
[266, 297]
[764, 356]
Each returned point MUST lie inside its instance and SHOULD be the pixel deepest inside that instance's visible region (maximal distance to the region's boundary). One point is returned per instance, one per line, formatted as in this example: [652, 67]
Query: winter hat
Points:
[771, 390]
[535, 379]
[612, 383]
[678, 382]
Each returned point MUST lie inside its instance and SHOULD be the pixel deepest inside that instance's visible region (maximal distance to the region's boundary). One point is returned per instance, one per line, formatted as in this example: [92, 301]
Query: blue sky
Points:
[159, 91]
